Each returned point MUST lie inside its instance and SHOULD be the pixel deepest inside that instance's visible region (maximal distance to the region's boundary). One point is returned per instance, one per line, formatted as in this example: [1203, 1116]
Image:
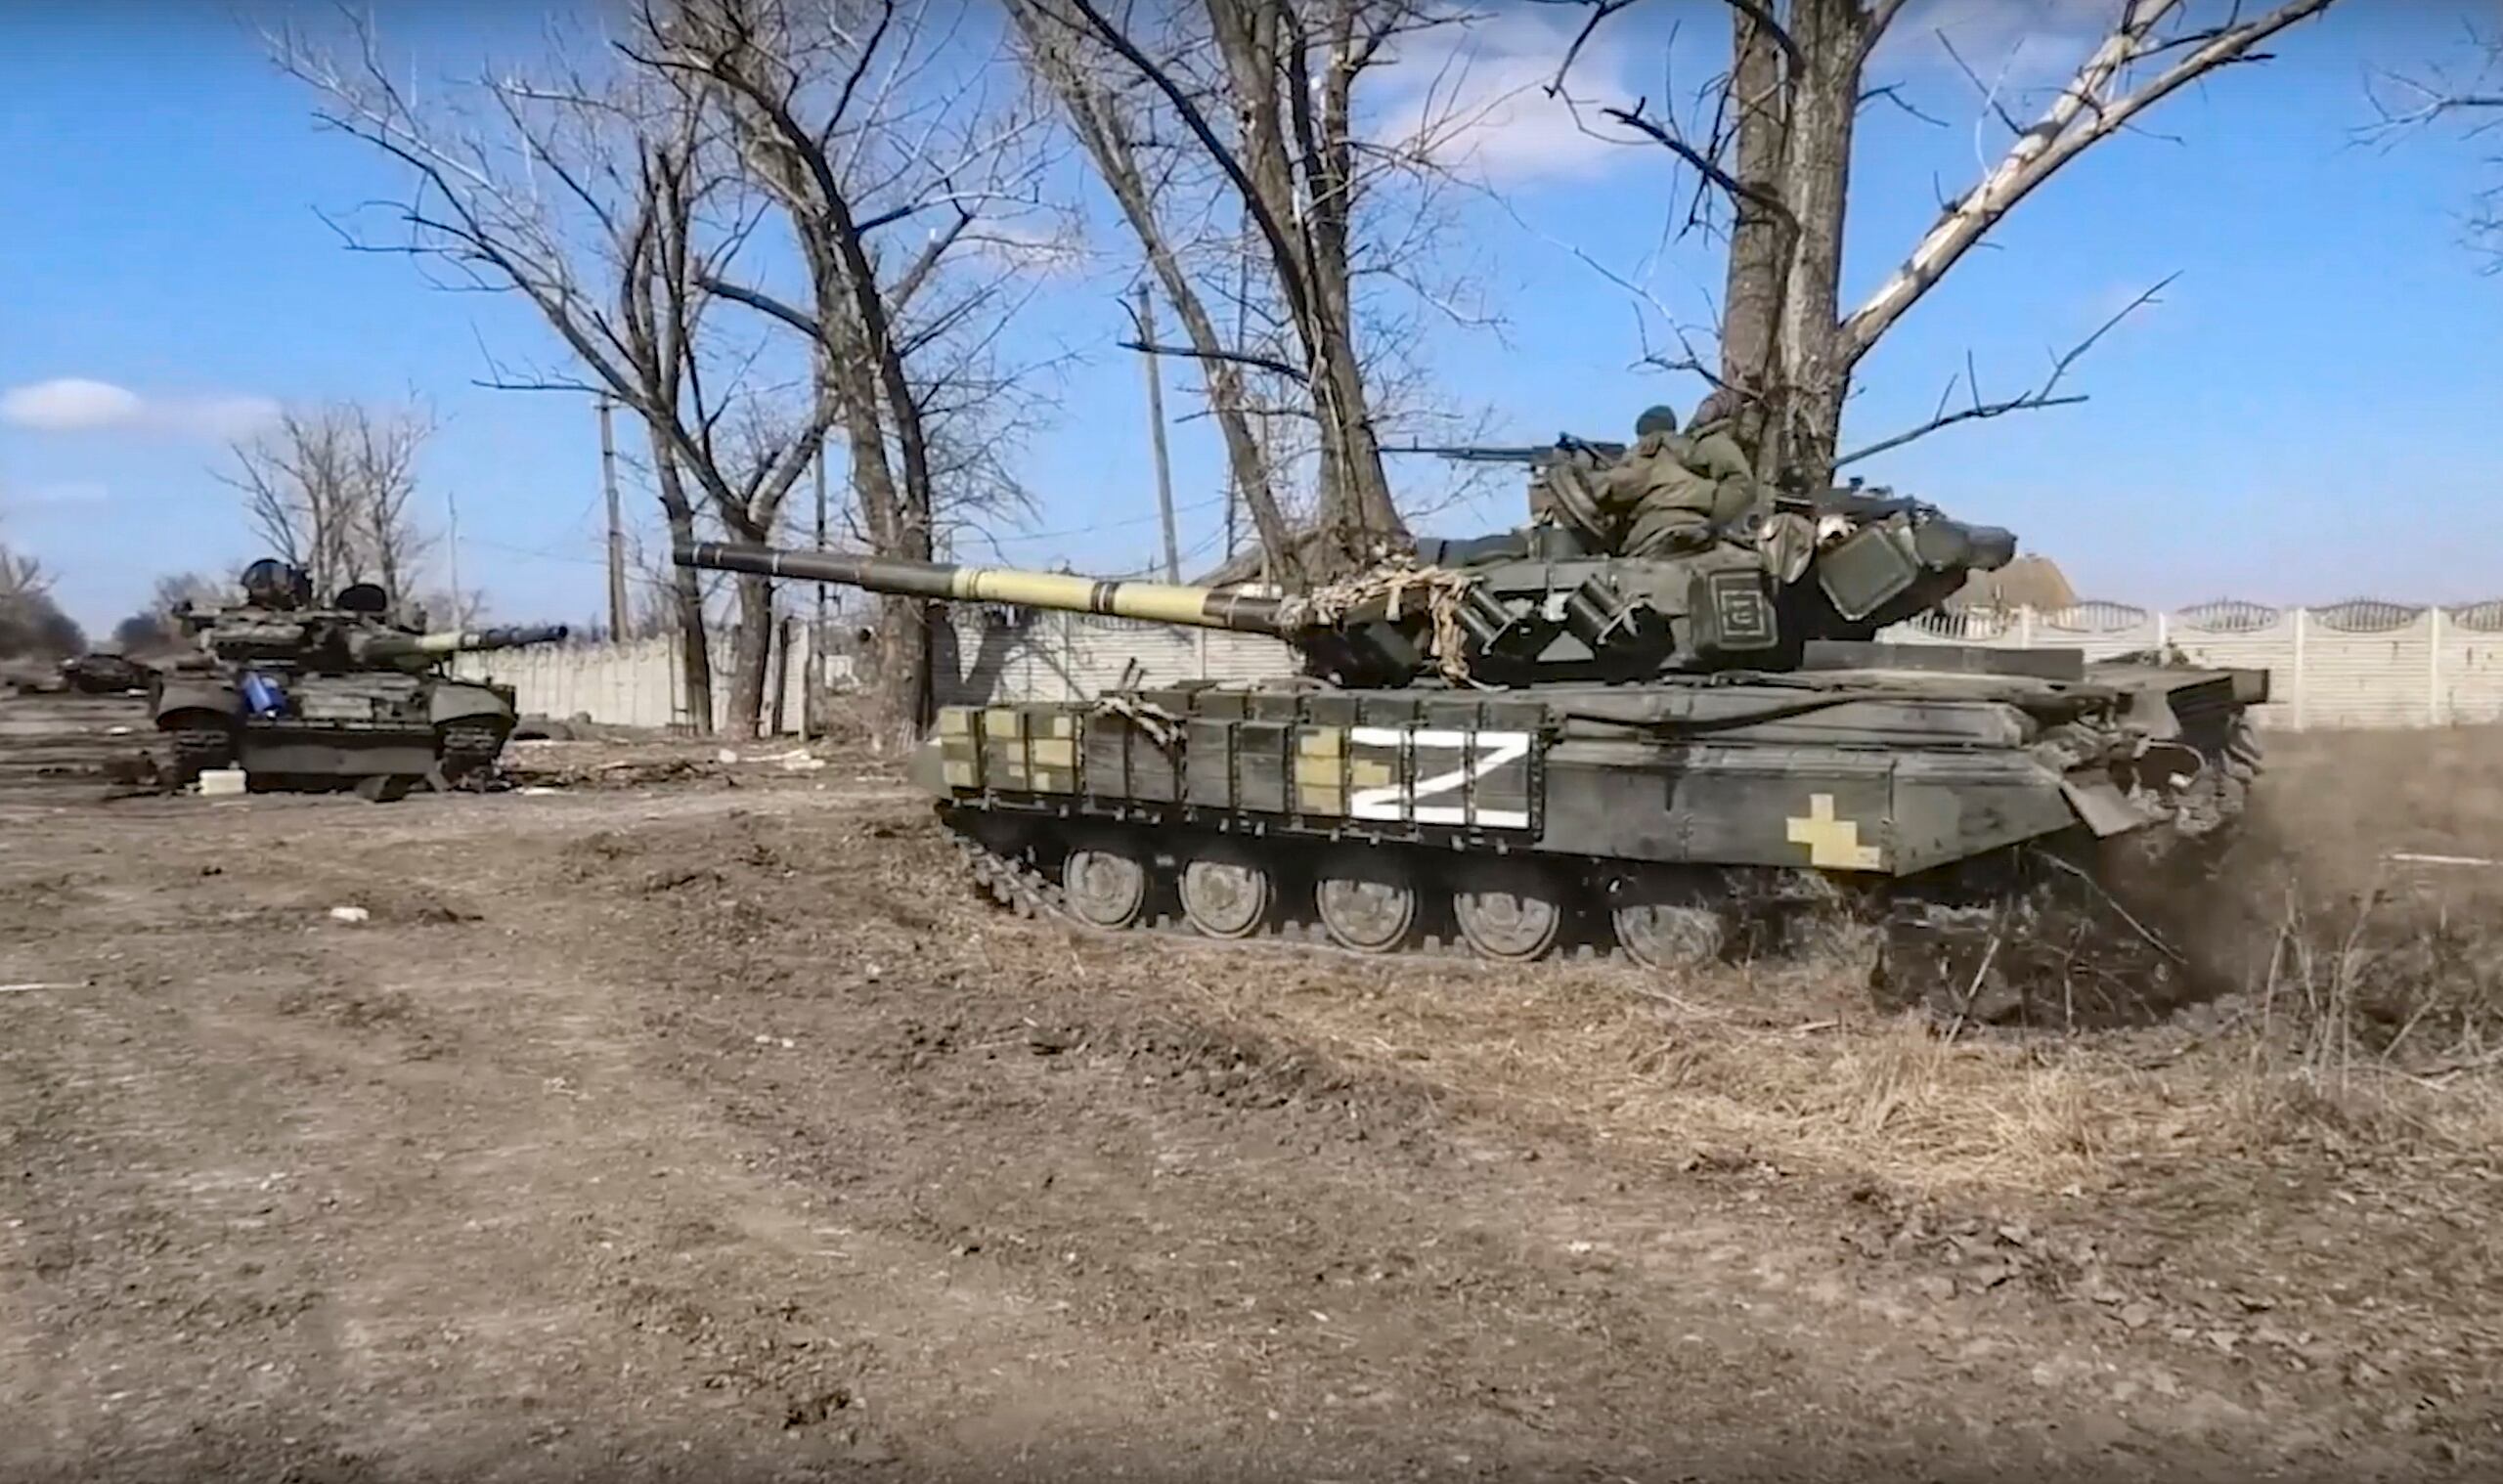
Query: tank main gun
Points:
[946, 582]
[396, 647]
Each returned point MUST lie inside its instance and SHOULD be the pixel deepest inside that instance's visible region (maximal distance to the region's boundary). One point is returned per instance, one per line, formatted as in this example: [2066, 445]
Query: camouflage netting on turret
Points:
[1393, 582]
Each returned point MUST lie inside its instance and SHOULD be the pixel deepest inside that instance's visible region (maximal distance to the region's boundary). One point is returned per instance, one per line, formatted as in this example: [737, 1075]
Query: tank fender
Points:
[2102, 807]
[179, 694]
[1952, 806]
[927, 770]
[463, 700]
[2150, 713]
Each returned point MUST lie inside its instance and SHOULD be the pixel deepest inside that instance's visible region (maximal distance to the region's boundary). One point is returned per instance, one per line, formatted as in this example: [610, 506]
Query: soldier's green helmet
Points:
[1655, 420]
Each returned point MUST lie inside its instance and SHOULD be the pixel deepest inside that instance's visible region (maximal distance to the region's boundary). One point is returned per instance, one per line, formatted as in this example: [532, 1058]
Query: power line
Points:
[1025, 537]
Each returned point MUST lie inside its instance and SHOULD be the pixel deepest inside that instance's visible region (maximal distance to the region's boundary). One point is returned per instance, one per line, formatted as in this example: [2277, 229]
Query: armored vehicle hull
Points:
[380, 731]
[1991, 823]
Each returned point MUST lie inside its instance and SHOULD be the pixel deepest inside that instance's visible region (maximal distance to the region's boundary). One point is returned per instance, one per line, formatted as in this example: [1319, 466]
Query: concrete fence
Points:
[2348, 664]
[641, 683]
[2363, 663]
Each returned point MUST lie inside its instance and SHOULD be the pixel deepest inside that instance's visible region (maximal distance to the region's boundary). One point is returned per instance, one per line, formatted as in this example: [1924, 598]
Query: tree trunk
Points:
[1824, 104]
[1759, 248]
[1305, 213]
[751, 650]
[694, 643]
[900, 643]
[1330, 183]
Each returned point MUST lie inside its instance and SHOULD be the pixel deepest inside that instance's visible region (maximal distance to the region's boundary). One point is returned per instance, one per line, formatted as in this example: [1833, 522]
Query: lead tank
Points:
[1521, 744]
[320, 698]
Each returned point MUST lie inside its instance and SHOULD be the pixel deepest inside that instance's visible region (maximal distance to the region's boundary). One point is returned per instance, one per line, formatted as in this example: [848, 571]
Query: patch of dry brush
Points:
[2368, 1017]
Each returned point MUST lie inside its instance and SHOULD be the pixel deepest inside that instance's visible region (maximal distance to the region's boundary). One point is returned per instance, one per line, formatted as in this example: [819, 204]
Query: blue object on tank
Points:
[261, 694]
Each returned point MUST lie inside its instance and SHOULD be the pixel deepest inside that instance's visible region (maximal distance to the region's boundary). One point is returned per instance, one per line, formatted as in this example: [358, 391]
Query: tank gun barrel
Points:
[946, 582]
[373, 647]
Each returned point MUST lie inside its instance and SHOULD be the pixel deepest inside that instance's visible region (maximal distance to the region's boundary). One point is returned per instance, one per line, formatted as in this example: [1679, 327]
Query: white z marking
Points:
[1481, 753]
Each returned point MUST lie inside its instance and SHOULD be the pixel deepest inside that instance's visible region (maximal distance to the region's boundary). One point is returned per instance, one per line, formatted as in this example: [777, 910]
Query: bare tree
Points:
[2469, 95]
[1107, 125]
[859, 122]
[637, 204]
[608, 201]
[1266, 93]
[329, 488]
[1771, 142]
[154, 628]
[32, 623]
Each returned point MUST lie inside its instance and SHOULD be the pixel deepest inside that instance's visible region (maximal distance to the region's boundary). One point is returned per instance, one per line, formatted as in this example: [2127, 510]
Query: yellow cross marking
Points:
[1830, 842]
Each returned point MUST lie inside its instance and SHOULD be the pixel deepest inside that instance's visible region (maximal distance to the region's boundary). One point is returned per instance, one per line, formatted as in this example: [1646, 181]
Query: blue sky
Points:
[2308, 416]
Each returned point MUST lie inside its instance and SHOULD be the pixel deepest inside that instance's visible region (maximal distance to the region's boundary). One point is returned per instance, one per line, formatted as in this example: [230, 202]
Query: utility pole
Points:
[452, 554]
[1242, 322]
[1156, 426]
[616, 529]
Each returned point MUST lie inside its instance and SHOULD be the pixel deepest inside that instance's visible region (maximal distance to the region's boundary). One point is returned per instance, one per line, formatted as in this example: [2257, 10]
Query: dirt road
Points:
[702, 1131]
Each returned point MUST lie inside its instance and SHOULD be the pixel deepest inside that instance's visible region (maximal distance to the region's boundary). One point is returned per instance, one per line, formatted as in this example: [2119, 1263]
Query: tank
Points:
[1518, 745]
[312, 699]
[104, 672]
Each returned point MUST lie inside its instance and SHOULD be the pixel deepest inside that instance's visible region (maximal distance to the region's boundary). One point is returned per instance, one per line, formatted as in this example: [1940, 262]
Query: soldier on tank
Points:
[1674, 492]
[276, 584]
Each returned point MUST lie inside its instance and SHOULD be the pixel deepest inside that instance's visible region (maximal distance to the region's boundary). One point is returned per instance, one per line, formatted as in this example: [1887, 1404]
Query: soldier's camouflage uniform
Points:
[1675, 493]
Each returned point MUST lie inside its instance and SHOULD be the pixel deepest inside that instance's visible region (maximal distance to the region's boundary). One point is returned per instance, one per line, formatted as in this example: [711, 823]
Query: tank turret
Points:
[1535, 605]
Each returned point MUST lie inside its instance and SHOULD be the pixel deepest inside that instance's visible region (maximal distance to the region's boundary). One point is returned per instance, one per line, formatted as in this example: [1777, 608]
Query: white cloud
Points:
[2019, 50]
[78, 405]
[70, 404]
[1475, 99]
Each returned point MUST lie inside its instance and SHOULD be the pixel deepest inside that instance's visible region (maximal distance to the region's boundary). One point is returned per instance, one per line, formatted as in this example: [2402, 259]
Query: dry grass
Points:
[2369, 1018]
[1707, 1078]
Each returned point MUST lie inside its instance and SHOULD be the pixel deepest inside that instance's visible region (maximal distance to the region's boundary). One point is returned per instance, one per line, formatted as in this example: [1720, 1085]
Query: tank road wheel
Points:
[1368, 904]
[1106, 886]
[1509, 911]
[1662, 922]
[1226, 895]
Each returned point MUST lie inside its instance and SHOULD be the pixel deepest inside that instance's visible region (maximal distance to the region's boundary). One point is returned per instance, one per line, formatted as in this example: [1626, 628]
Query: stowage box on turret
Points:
[1523, 743]
[303, 698]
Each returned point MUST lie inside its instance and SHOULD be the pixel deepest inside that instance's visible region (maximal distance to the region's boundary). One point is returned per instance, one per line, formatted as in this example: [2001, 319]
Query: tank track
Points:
[2043, 935]
[2079, 932]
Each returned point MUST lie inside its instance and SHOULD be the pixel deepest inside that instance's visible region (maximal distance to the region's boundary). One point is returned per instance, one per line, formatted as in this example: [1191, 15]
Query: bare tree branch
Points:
[2042, 396]
[1704, 165]
[2083, 112]
[1893, 94]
